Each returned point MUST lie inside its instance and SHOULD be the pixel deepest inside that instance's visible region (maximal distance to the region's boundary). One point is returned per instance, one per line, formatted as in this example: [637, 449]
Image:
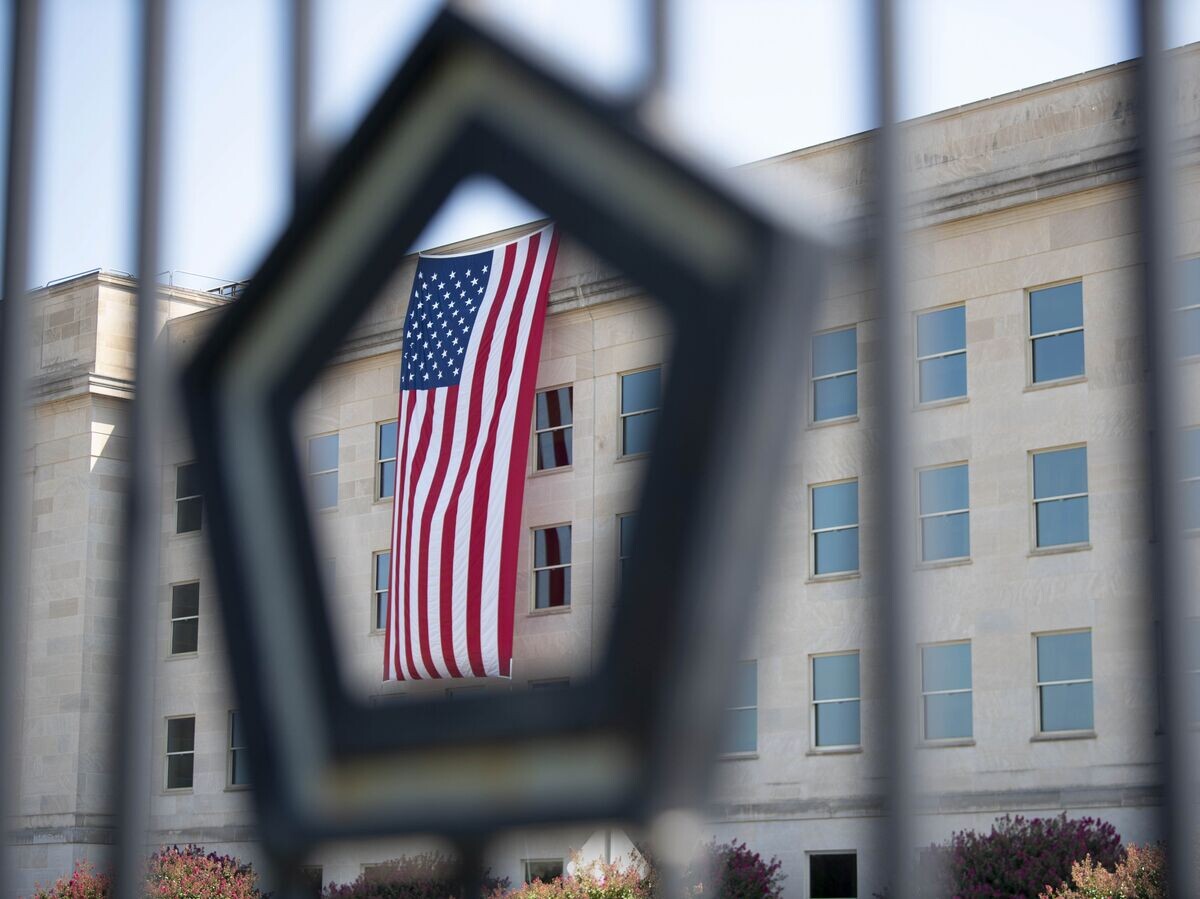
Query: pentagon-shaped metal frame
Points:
[638, 737]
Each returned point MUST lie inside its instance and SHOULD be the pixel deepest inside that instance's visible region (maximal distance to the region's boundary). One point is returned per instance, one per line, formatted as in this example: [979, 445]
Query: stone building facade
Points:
[1036, 644]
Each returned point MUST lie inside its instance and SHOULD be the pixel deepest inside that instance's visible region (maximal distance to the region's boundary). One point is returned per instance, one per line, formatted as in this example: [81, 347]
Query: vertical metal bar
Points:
[143, 523]
[1164, 398]
[300, 70]
[14, 423]
[894, 471]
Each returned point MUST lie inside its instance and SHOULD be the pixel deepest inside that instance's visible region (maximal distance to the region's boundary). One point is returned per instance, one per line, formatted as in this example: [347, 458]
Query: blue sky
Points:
[747, 79]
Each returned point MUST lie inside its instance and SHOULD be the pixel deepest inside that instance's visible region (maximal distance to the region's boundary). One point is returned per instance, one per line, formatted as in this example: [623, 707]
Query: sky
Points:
[745, 80]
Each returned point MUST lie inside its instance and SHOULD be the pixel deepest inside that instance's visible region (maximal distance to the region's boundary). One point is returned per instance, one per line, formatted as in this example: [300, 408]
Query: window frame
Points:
[1185, 309]
[1036, 547]
[230, 754]
[1038, 683]
[533, 463]
[813, 421]
[808, 886]
[923, 729]
[921, 516]
[534, 569]
[621, 517]
[182, 499]
[622, 415]
[380, 459]
[1184, 481]
[310, 475]
[526, 862]
[375, 591]
[813, 702]
[167, 753]
[948, 400]
[813, 575]
[1030, 337]
[191, 653]
[746, 753]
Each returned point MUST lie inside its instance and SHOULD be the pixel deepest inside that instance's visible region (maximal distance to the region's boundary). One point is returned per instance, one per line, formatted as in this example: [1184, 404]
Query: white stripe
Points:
[400, 556]
[491, 376]
[498, 495]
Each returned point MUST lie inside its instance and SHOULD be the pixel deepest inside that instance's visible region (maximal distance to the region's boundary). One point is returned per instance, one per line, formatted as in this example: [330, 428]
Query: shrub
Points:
[1141, 875]
[84, 883]
[190, 873]
[429, 875]
[743, 874]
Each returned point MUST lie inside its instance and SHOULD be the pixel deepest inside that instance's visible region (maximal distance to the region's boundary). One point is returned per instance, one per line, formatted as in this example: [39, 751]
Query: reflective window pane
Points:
[1067, 707]
[383, 565]
[187, 480]
[553, 408]
[628, 525]
[552, 588]
[324, 489]
[554, 449]
[948, 716]
[835, 397]
[833, 876]
[637, 433]
[323, 453]
[942, 332]
[237, 732]
[834, 352]
[745, 684]
[239, 769]
[837, 724]
[740, 731]
[387, 440]
[381, 610]
[1191, 453]
[185, 636]
[944, 489]
[945, 537]
[641, 390]
[1189, 332]
[387, 479]
[835, 677]
[1060, 473]
[181, 734]
[1056, 308]
[185, 600]
[1057, 357]
[179, 771]
[188, 515]
[835, 551]
[552, 546]
[943, 378]
[835, 505]
[1064, 657]
[1061, 522]
[946, 667]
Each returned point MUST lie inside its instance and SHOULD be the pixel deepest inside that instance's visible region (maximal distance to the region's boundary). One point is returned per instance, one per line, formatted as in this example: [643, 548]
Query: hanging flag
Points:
[472, 338]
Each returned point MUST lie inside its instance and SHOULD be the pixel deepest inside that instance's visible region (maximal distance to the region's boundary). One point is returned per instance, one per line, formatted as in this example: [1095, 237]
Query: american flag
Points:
[472, 338]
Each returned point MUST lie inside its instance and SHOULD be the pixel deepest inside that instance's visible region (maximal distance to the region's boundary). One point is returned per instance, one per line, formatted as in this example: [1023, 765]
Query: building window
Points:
[543, 869]
[552, 428]
[835, 699]
[942, 354]
[239, 761]
[385, 468]
[1191, 479]
[626, 525]
[312, 879]
[1056, 332]
[833, 875]
[552, 567]
[944, 501]
[323, 471]
[1064, 681]
[185, 618]
[640, 397]
[835, 528]
[550, 683]
[379, 608]
[1060, 497]
[835, 375]
[181, 752]
[741, 718]
[946, 691]
[1189, 309]
[189, 504]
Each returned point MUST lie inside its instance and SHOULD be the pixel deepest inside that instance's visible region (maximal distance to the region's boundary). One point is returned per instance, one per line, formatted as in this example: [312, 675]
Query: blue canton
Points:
[441, 318]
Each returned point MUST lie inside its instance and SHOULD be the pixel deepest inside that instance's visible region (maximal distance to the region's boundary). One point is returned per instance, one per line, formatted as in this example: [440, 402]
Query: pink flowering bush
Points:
[740, 873]
[429, 875]
[84, 883]
[1141, 875]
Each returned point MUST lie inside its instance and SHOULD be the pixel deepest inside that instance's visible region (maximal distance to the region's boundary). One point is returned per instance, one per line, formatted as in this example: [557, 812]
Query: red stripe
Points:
[392, 644]
[435, 489]
[483, 483]
[516, 470]
[474, 413]
[418, 464]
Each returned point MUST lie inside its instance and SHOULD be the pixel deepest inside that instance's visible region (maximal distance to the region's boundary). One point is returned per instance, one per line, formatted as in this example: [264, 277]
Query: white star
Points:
[474, 281]
[420, 305]
[468, 273]
[456, 372]
[441, 286]
[425, 346]
[452, 274]
[466, 328]
[443, 354]
[435, 305]
[460, 349]
[425, 376]
[429, 355]
[424, 286]
[458, 283]
[455, 341]
[480, 290]
[485, 269]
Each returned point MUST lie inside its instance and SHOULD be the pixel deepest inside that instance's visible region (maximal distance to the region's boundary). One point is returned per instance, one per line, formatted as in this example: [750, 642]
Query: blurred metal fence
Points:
[1165, 403]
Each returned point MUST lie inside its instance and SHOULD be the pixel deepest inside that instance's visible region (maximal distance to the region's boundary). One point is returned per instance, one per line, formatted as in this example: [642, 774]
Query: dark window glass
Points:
[322, 470]
[1056, 326]
[626, 524]
[543, 869]
[835, 374]
[552, 567]
[387, 459]
[383, 565]
[239, 762]
[313, 878]
[189, 505]
[640, 394]
[552, 426]
[185, 618]
[833, 876]
[1191, 475]
[741, 718]
[181, 747]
